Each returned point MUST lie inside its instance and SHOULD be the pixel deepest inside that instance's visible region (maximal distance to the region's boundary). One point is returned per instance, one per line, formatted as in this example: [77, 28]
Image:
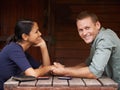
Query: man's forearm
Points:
[81, 72]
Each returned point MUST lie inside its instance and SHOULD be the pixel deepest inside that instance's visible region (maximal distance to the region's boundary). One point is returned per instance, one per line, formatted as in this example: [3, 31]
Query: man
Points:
[104, 58]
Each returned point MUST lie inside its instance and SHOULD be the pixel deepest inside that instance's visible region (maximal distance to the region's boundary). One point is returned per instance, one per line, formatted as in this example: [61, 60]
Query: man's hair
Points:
[85, 14]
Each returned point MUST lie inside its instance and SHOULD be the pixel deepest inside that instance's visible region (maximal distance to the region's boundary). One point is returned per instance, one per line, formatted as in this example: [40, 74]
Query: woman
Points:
[13, 57]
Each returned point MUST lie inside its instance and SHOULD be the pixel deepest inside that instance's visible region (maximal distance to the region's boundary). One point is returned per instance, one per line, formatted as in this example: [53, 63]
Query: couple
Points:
[104, 56]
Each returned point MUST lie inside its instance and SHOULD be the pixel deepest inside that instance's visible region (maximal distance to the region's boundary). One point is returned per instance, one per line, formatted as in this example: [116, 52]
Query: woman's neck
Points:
[24, 45]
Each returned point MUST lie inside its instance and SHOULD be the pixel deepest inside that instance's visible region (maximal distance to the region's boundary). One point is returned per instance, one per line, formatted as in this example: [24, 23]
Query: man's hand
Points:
[58, 69]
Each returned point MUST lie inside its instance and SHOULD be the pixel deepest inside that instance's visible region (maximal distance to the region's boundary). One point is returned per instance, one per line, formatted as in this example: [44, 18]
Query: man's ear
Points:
[98, 24]
[25, 36]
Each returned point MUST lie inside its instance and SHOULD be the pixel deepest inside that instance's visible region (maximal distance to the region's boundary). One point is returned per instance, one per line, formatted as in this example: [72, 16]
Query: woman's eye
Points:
[37, 31]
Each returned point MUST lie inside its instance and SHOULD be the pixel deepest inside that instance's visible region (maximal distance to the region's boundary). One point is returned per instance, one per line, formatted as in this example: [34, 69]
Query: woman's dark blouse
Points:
[13, 61]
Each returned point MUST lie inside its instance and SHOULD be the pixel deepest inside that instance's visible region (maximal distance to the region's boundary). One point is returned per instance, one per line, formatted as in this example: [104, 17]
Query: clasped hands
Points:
[57, 69]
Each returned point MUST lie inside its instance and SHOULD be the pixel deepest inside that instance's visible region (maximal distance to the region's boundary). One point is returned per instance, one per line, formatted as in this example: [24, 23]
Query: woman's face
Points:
[35, 34]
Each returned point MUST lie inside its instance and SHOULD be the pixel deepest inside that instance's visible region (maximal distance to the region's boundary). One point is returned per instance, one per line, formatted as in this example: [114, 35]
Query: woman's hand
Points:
[58, 65]
[46, 69]
[41, 43]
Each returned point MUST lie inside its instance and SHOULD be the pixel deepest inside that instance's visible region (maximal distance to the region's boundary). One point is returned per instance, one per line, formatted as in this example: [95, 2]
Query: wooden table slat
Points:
[76, 82]
[47, 82]
[28, 83]
[92, 82]
[58, 82]
[12, 82]
[108, 82]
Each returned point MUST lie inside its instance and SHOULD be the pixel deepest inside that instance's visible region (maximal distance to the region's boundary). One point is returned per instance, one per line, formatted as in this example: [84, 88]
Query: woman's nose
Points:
[40, 33]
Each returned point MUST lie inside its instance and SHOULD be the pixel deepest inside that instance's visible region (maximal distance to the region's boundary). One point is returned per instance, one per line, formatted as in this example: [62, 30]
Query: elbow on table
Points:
[91, 75]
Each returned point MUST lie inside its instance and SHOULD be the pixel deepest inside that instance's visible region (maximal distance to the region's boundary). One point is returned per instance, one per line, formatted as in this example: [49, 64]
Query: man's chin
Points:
[88, 42]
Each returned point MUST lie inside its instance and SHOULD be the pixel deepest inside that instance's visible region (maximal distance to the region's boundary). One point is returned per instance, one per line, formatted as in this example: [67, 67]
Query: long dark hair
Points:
[22, 26]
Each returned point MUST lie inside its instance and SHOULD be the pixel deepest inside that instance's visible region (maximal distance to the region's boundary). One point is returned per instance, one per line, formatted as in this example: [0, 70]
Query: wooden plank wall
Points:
[67, 47]
[13, 10]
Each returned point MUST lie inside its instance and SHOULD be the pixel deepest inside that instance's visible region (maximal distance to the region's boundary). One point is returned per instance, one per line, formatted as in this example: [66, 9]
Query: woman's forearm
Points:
[45, 56]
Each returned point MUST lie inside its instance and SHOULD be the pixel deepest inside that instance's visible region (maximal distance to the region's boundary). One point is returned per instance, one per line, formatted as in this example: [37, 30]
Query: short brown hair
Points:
[85, 14]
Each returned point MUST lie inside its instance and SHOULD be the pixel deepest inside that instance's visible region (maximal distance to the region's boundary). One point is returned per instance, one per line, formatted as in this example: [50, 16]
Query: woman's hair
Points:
[22, 26]
[85, 14]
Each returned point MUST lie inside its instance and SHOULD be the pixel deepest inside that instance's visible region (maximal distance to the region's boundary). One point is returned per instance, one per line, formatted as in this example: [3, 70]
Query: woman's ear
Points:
[25, 36]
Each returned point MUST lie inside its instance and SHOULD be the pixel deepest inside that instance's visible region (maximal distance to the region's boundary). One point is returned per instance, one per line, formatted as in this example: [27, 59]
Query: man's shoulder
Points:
[106, 33]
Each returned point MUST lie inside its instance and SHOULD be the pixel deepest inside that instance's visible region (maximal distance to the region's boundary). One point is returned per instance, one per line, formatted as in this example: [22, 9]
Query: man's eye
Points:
[79, 30]
[87, 28]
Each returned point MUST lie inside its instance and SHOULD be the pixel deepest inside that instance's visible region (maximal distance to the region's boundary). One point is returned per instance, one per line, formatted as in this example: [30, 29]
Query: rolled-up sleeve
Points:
[101, 56]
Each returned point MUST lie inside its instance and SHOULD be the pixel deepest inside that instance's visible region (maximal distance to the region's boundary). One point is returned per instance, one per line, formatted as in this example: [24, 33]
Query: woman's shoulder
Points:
[11, 47]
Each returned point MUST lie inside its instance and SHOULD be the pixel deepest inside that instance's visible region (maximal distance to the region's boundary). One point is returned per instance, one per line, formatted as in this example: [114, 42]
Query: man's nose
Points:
[84, 32]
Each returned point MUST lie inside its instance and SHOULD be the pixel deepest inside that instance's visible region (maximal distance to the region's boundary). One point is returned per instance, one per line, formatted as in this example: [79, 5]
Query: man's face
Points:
[87, 29]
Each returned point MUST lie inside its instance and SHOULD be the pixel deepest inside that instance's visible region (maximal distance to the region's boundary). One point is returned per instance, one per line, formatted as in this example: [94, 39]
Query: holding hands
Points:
[58, 69]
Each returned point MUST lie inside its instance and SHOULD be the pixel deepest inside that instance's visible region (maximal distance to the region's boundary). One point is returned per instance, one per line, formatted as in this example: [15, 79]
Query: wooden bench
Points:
[53, 83]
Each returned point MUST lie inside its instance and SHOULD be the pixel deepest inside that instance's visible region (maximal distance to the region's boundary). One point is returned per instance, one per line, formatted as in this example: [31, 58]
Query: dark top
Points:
[13, 61]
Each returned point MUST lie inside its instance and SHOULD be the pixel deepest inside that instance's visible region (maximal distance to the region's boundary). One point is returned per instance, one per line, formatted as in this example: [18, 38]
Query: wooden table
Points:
[53, 83]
